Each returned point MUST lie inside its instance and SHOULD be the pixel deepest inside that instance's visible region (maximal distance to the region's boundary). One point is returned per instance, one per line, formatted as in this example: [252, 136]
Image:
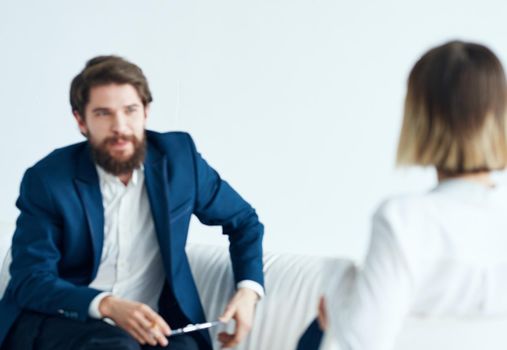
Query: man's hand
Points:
[323, 323]
[241, 308]
[138, 319]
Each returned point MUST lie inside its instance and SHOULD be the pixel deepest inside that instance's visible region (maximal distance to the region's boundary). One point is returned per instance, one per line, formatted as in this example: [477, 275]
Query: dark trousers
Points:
[311, 338]
[37, 331]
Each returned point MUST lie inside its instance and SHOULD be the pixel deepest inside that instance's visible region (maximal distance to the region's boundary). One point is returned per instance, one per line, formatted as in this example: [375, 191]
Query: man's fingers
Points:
[143, 327]
[159, 337]
[137, 336]
[154, 318]
[229, 343]
[231, 340]
[164, 327]
[148, 330]
[145, 335]
[226, 339]
[155, 335]
[242, 329]
[142, 320]
[228, 314]
[154, 326]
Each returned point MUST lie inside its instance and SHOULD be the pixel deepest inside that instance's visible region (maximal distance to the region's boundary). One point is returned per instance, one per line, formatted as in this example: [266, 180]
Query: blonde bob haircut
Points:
[455, 111]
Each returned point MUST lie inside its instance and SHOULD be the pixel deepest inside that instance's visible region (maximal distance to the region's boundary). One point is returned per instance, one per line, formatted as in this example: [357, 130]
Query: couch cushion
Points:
[293, 285]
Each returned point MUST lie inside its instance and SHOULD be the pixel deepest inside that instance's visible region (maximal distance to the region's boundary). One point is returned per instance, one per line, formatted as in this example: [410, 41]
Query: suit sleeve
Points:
[217, 203]
[35, 283]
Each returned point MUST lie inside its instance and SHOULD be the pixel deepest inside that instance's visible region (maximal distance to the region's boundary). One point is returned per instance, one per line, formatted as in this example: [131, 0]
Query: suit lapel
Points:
[156, 181]
[87, 183]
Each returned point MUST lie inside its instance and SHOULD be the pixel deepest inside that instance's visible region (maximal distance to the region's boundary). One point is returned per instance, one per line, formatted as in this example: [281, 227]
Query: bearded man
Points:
[99, 248]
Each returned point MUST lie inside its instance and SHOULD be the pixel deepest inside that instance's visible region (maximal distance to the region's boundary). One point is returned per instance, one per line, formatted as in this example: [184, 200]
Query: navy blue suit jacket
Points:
[58, 240]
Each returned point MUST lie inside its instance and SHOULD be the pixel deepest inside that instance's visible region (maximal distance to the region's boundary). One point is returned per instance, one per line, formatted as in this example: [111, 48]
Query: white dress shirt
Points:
[131, 265]
[443, 253]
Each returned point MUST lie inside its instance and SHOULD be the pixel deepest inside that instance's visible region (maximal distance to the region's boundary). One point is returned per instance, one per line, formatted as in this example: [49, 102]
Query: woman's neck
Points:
[483, 178]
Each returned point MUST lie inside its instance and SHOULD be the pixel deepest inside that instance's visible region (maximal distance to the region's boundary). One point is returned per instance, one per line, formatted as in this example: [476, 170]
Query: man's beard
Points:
[114, 165]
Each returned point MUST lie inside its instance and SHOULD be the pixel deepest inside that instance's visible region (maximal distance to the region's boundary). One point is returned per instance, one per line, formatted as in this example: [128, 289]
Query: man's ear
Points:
[147, 110]
[80, 123]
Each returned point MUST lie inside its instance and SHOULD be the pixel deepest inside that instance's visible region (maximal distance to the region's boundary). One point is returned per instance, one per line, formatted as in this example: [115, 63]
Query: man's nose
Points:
[120, 124]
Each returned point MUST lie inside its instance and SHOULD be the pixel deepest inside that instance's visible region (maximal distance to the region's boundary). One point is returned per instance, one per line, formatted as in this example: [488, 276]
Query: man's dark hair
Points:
[103, 70]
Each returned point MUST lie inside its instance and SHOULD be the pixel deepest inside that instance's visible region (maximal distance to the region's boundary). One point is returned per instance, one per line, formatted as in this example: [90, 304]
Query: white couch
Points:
[293, 284]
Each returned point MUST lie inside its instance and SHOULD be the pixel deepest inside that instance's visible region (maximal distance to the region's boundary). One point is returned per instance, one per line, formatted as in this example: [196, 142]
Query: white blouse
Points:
[442, 253]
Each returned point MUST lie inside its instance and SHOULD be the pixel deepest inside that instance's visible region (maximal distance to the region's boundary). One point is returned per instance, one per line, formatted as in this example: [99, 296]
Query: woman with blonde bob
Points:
[444, 252]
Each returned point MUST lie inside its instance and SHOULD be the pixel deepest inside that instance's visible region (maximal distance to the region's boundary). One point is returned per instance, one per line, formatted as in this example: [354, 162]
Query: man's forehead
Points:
[117, 95]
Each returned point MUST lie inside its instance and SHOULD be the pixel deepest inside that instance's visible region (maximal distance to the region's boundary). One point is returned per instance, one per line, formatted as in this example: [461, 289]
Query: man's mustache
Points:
[118, 138]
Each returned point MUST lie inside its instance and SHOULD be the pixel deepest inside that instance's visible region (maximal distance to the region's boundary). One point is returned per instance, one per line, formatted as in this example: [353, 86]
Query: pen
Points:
[194, 327]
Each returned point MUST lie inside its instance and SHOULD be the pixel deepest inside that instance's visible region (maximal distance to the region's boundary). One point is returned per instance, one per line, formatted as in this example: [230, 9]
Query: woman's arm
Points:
[369, 312]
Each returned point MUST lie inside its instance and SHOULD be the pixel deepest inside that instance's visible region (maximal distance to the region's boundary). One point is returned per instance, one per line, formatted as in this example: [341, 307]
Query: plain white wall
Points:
[296, 102]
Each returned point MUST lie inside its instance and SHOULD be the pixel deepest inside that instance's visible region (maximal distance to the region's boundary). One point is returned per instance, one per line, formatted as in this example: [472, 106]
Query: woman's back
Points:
[454, 240]
[439, 253]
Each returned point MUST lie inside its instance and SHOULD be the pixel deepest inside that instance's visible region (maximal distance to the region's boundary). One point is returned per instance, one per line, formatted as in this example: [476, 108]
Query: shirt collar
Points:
[108, 178]
[460, 184]
[466, 189]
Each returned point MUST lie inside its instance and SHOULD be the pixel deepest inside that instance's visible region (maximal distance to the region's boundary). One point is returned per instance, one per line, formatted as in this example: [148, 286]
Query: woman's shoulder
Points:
[439, 217]
[446, 199]
[408, 207]
[412, 220]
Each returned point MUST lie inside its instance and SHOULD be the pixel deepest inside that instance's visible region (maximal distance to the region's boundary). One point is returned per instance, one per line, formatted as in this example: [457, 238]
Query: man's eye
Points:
[131, 110]
[101, 113]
